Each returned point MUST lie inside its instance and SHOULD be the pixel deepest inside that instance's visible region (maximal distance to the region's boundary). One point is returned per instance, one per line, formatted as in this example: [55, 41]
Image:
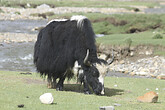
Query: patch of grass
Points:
[122, 23]
[158, 36]
[77, 3]
[25, 89]
[137, 39]
[143, 38]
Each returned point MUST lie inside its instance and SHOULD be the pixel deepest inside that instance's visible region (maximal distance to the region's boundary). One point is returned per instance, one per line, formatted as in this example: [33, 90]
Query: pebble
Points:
[107, 108]
[150, 67]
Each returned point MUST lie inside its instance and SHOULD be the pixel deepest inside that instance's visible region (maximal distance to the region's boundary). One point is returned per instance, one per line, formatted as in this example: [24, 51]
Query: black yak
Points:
[65, 47]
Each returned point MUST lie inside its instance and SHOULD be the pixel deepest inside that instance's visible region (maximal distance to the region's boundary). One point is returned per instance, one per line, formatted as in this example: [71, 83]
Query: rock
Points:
[122, 62]
[149, 52]
[132, 53]
[116, 104]
[150, 97]
[107, 108]
[20, 106]
[46, 98]
[43, 6]
[132, 74]
[161, 76]
[143, 73]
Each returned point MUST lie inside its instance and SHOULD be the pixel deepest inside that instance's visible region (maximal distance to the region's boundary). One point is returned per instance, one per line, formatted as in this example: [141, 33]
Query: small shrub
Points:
[128, 41]
[157, 36]
[17, 13]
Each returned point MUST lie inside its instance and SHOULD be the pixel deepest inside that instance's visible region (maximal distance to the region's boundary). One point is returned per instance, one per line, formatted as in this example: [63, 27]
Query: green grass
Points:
[25, 89]
[78, 3]
[143, 38]
[122, 23]
[137, 39]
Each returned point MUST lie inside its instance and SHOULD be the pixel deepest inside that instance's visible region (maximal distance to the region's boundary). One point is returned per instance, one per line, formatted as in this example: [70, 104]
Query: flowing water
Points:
[18, 56]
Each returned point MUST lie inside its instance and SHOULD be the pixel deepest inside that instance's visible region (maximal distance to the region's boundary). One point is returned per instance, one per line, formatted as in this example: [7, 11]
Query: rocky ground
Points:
[149, 66]
[9, 13]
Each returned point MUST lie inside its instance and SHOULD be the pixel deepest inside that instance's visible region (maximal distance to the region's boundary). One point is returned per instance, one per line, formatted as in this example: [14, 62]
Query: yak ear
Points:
[86, 62]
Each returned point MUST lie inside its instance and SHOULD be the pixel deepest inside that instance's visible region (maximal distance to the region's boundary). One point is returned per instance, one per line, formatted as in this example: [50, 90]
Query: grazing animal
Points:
[67, 47]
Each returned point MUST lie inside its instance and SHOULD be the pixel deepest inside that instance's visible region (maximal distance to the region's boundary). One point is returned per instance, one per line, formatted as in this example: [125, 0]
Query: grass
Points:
[121, 23]
[25, 89]
[143, 38]
[78, 3]
[137, 39]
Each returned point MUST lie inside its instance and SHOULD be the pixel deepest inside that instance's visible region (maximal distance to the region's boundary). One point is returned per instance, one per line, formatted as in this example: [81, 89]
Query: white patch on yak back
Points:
[57, 20]
[79, 19]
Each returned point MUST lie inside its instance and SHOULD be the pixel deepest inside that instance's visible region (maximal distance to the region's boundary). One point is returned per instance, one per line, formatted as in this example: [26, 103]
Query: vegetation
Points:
[76, 3]
[157, 36]
[137, 39]
[122, 23]
[19, 89]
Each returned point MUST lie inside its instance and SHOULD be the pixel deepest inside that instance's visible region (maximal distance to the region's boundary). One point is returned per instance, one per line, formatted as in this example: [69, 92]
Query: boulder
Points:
[150, 97]
[46, 98]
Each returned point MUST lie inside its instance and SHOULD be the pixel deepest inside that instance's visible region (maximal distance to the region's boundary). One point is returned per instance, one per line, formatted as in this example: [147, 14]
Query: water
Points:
[21, 26]
[155, 10]
[17, 57]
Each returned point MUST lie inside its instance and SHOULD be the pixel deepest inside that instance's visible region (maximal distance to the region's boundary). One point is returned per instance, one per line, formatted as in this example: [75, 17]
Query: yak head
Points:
[94, 74]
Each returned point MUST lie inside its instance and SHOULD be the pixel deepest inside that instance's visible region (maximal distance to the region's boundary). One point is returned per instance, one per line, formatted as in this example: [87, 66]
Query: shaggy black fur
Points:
[60, 44]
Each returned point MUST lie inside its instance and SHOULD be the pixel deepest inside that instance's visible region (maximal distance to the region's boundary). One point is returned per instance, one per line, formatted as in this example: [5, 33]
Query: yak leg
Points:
[54, 83]
[60, 84]
[86, 86]
[51, 82]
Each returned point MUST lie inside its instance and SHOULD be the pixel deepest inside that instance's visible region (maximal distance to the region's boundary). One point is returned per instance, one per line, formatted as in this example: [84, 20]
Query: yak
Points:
[65, 47]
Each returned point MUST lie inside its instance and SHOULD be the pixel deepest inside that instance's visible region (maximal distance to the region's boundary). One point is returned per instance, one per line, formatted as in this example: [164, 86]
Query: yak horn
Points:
[111, 61]
[86, 58]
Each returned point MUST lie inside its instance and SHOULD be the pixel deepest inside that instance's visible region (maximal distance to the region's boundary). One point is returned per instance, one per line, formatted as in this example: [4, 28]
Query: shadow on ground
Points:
[79, 89]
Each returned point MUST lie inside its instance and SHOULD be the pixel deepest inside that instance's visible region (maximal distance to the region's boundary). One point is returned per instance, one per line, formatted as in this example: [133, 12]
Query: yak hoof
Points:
[87, 92]
[59, 89]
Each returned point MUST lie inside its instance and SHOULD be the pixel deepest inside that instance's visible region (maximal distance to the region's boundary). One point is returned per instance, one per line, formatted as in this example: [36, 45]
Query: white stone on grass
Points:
[46, 98]
[107, 108]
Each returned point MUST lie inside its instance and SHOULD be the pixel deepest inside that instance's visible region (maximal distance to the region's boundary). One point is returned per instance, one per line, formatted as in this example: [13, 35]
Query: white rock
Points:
[157, 89]
[107, 108]
[46, 98]
[43, 6]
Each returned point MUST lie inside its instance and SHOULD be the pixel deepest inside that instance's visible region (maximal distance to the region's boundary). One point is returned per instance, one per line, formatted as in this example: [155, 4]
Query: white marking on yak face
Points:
[57, 20]
[101, 80]
[102, 70]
